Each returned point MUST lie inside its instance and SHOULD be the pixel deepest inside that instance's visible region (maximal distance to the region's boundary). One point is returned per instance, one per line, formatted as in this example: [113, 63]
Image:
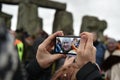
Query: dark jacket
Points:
[35, 72]
[89, 71]
[101, 48]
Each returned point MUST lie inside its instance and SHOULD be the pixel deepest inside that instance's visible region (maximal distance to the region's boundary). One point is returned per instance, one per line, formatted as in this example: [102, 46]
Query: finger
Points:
[85, 33]
[51, 38]
[82, 44]
[66, 58]
[57, 75]
[94, 55]
[89, 43]
[71, 59]
[89, 35]
[89, 47]
[55, 57]
[89, 38]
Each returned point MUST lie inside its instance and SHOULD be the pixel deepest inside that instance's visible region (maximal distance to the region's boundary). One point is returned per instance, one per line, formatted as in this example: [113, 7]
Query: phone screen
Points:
[67, 44]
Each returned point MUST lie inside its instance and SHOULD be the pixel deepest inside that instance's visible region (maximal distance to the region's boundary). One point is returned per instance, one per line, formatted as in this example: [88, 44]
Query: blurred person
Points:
[39, 39]
[41, 36]
[9, 58]
[18, 44]
[119, 44]
[20, 48]
[28, 41]
[111, 64]
[100, 49]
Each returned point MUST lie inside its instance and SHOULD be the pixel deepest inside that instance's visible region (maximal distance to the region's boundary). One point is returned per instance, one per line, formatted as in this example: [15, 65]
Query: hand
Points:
[43, 56]
[68, 61]
[64, 70]
[86, 51]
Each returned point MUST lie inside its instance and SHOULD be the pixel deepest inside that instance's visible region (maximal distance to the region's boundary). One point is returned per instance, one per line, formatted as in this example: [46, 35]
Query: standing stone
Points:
[12, 2]
[63, 21]
[93, 24]
[28, 17]
[89, 23]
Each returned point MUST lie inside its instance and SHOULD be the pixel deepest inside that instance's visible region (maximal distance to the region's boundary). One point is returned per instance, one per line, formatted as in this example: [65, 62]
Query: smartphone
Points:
[67, 44]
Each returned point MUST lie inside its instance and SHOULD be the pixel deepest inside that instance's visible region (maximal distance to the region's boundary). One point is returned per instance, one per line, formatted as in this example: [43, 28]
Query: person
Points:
[74, 45]
[35, 45]
[118, 44]
[69, 45]
[75, 42]
[27, 41]
[9, 59]
[66, 45]
[83, 66]
[100, 47]
[18, 44]
[58, 45]
[111, 64]
[10, 68]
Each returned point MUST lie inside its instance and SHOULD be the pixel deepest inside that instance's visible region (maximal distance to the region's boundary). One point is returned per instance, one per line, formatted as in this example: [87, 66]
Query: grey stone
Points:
[63, 21]
[93, 24]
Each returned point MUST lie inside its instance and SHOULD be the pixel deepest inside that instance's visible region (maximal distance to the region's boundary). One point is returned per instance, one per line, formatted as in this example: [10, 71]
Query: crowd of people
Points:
[26, 57]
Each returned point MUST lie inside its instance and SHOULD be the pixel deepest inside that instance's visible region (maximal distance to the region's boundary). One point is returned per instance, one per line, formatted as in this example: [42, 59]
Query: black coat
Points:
[89, 71]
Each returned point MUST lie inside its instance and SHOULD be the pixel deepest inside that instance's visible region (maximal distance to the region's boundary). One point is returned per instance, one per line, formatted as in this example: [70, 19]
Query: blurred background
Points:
[108, 10]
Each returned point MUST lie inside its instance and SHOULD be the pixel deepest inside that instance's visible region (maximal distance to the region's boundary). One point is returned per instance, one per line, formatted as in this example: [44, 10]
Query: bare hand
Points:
[44, 57]
[86, 51]
[68, 61]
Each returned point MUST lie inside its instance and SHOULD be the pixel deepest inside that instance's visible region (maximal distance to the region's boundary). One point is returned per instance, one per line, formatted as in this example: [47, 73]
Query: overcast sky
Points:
[108, 10]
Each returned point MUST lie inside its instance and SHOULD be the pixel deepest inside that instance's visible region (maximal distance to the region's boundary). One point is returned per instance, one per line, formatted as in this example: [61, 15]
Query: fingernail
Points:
[60, 33]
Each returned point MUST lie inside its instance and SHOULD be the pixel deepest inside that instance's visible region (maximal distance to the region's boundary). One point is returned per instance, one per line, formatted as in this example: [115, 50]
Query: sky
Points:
[108, 10]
